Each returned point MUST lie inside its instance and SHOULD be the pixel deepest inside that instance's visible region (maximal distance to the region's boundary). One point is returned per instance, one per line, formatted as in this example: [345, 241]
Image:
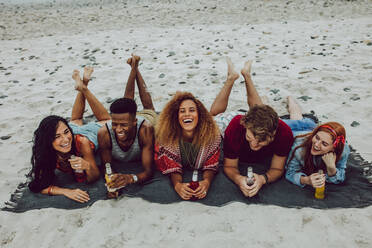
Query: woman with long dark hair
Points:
[187, 137]
[315, 147]
[68, 147]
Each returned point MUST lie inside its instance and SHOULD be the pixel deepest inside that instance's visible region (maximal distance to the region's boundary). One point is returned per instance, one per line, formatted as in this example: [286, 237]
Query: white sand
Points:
[187, 42]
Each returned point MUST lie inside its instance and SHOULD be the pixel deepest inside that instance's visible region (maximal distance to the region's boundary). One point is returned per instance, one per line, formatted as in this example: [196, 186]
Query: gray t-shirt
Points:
[134, 152]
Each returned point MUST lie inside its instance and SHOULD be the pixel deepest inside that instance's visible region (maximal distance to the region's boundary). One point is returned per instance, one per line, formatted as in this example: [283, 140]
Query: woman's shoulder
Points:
[297, 142]
[82, 142]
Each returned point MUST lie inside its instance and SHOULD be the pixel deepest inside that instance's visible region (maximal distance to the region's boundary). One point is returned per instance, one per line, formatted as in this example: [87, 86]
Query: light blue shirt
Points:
[294, 167]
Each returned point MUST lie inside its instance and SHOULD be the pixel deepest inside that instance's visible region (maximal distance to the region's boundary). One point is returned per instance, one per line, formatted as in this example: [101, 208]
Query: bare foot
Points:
[232, 75]
[295, 112]
[79, 85]
[246, 71]
[87, 73]
[135, 60]
[129, 61]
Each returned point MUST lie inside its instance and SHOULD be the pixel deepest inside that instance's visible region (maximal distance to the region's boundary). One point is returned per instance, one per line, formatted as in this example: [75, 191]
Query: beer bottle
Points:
[111, 193]
[79, 174]
[194, 184]
[250, 177]
[319, 192]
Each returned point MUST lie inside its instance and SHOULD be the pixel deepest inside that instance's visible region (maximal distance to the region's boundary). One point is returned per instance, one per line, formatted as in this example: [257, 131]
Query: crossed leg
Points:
[294, 110]
[84, 93]
[135, 75]
[220, 103]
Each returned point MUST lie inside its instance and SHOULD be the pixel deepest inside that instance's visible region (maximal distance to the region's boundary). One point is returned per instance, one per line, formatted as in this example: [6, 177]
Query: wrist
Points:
[305, 180]
[65, 191]
[134, 178]
[238, 178]
[206, 181]
[264, 179]
[176, 185]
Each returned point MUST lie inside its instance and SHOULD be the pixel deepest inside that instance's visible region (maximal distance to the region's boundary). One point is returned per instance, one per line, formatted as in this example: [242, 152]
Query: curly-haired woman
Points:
[187, 137]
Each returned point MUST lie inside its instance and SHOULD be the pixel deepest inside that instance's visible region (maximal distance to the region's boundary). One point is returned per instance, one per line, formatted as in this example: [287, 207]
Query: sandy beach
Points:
[320, 53]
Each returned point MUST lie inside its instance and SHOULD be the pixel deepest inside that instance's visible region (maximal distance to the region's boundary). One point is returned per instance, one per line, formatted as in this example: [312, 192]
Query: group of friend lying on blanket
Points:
[185, 135]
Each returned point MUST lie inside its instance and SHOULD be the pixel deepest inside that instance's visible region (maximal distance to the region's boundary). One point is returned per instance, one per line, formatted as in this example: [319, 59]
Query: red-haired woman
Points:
[315, 147]
[187, 138]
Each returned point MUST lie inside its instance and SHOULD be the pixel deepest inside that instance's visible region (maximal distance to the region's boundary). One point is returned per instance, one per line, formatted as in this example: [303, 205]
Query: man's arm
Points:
[230, 167]
[276, 168]
[104, 143]
[146, 141]
[275, 172]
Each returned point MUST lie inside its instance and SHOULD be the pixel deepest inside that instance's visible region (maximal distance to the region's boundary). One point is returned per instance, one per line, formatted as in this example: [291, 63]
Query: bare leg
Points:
[220, 103]
[79, 104]
[252, 95]
[142, 88]
[129, 88]
[294, 109]
[97, 107]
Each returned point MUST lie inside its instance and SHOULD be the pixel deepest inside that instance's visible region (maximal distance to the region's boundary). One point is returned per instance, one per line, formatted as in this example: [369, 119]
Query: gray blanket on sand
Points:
[354, 192]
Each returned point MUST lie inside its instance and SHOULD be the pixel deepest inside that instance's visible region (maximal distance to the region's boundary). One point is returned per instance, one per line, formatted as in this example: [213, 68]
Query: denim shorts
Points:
[89, 130]
[306, 124]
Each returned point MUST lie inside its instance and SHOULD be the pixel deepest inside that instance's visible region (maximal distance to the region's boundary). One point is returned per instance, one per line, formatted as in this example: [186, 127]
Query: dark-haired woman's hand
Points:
[78, 163]
[316, 180]
[184, 191]
[202, 190]
[77, 195]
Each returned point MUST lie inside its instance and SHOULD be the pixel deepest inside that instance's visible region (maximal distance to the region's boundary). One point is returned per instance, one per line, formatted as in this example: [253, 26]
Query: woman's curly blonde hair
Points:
[168, 130]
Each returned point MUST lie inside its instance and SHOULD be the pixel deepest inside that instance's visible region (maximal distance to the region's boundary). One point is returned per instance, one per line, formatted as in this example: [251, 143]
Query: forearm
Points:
[338, 177]
[54, 190]
[305, 180]
[144, 176]
[208, 175]
[232, 173]
[92, 173]
[176, 178]
[331, 170]
[274, 174]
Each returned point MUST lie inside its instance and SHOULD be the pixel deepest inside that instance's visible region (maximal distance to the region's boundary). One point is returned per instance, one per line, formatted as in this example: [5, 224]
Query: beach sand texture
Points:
[317, 51]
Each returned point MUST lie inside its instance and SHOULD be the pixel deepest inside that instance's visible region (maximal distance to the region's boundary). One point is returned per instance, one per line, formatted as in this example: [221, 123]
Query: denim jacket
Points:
[294, 167]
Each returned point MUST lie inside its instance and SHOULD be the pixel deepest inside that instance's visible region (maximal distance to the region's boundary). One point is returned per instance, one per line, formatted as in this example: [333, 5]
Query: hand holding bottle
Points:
[317, 180]
[184, 190]
[78, 164]
[202, 190]
[259, 180]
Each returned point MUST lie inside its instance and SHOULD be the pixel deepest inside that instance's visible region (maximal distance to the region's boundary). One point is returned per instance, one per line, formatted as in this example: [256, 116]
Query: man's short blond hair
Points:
[262, 121]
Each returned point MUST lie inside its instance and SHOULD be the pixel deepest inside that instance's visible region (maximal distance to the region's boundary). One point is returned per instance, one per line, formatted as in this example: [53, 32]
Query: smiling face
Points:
[254, 143]
[123, 125]
[188, 115]
[322, 143]
[63, 138]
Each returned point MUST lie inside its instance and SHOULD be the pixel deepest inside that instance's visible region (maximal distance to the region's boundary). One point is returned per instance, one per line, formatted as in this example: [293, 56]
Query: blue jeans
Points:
[306, 124]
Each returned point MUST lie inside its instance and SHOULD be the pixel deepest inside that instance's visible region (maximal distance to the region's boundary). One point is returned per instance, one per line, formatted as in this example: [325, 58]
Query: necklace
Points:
[189, 153]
